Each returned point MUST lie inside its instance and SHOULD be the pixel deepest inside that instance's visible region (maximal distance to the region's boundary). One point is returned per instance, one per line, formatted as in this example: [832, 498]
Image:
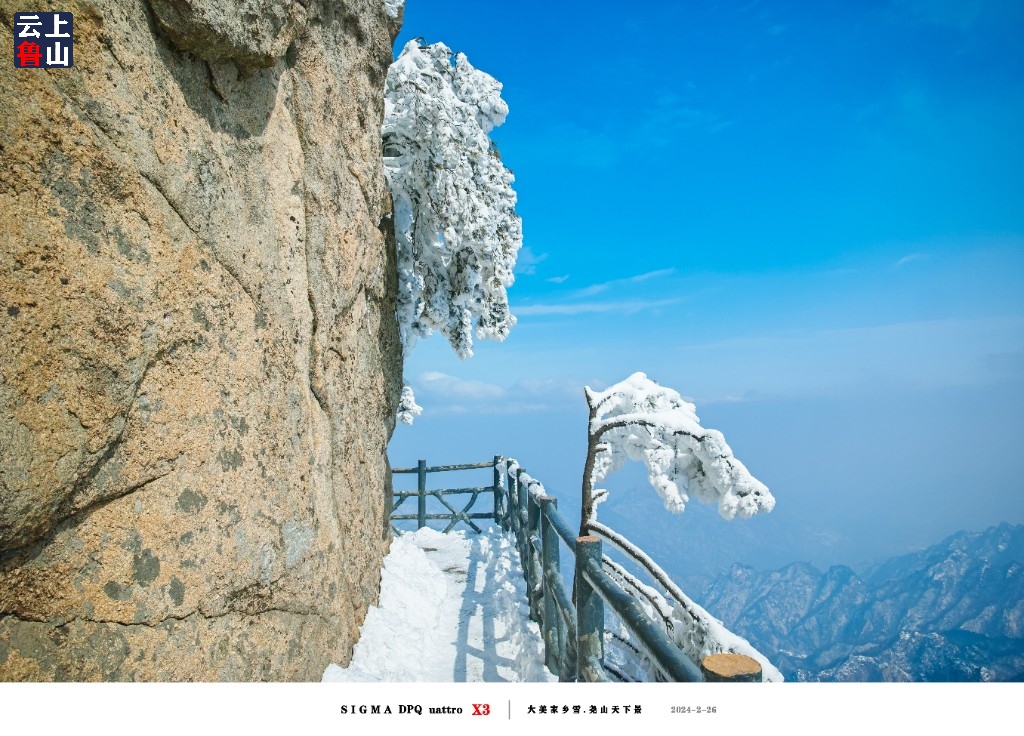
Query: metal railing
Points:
[572, 624]
[454, 516]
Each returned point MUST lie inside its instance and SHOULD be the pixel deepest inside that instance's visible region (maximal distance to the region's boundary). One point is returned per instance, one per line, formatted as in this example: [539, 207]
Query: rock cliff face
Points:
[199, 360]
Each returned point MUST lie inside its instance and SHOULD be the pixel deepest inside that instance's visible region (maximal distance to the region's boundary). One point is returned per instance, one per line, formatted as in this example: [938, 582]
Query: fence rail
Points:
[571, 617]
[454, 515]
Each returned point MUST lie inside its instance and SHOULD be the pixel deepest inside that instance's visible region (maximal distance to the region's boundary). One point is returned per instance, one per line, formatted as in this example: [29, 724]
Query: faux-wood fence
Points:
[572, 624]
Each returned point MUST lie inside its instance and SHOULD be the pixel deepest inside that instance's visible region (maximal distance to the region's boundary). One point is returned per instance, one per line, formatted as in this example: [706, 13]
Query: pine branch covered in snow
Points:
[636, 419]
[455, 222]
[408, 409]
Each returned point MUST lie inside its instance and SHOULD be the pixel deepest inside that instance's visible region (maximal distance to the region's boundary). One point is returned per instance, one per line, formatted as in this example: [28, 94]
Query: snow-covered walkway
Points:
[452, 609]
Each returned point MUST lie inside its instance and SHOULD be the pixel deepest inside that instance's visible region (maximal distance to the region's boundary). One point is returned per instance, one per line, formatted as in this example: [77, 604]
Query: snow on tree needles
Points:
[637, 419]
[455, 222]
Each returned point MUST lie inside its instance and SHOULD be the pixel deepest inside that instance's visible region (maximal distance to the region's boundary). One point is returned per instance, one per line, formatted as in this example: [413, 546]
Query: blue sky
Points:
[807, 218]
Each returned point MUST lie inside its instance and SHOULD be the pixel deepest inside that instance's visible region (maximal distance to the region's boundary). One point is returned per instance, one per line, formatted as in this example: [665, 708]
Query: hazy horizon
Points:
[807, 222]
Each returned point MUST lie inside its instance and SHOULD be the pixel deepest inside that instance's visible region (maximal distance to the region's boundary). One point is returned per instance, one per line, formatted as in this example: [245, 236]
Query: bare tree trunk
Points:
[587, 503]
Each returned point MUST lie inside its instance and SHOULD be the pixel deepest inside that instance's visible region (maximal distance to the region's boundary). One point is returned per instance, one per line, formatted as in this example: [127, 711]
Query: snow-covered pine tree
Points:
[455, 221]
[637, 419]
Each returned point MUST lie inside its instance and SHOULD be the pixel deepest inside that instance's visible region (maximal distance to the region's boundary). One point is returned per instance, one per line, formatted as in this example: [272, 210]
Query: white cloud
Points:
[558, 279]
[526, 262]
[598, 288]
[549, 388]
[444, 393]
[909, 258]
[452, 387]
[622, 307]
[847, 361]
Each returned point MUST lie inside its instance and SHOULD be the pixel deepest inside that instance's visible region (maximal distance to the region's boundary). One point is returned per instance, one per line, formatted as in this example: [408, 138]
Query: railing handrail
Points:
[445, 468]
[446, 491]
[572, 627]
[674, 664]
[561, 526]
[641, 558]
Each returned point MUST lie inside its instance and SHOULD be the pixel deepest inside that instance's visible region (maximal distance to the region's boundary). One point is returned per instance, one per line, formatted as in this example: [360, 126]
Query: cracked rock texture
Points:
[199, 359]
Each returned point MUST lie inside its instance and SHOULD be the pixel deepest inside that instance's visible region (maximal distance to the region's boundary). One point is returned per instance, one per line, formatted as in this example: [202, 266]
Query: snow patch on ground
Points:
[452, 609]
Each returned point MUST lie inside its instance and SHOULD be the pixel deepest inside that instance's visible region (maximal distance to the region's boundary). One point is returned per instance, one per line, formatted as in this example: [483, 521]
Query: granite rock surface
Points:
[199, 359]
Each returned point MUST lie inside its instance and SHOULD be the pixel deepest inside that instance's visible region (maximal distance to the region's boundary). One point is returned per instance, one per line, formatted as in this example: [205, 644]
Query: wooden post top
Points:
[730, 668]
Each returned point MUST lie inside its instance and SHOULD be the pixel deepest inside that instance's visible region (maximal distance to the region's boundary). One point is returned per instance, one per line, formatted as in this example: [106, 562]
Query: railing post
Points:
[521, 494]
[589, 611]
[421, 486]
[510, 506]
[549, 566]
[532, 533]
[497, 489]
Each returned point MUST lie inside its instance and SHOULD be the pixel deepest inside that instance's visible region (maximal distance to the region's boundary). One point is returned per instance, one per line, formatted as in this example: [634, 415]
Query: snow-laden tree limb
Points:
[637, 419]
[455, 222]
[408, 409]
[696, 632]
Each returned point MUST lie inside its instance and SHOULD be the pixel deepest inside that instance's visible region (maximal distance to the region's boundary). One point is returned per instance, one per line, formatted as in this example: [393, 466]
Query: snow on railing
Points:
[665, 635]
[693, 629]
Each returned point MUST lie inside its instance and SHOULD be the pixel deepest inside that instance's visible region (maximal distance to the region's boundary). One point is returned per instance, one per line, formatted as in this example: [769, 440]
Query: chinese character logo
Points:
[44, 40]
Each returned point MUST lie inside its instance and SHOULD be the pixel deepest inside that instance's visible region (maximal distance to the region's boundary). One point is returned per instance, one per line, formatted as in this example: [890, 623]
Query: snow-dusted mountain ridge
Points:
[952, 612]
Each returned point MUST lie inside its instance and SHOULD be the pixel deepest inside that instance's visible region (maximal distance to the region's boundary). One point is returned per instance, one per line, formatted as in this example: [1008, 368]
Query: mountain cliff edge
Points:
[199, 356]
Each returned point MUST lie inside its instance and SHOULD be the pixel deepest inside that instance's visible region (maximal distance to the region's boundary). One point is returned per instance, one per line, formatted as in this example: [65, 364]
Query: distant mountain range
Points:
[953, 612]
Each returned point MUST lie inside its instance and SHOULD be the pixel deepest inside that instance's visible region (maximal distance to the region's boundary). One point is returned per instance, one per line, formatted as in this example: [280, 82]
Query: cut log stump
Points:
[730, 668]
